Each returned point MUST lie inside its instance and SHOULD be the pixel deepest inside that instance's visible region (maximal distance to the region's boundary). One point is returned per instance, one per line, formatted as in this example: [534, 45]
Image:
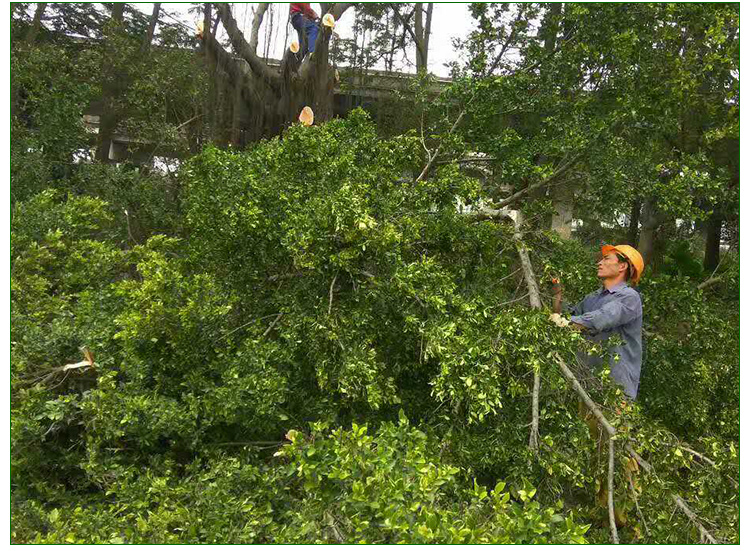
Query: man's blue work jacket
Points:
[615, 311]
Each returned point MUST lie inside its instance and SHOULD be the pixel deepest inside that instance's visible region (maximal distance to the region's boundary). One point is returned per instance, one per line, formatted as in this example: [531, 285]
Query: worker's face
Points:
[610, 266]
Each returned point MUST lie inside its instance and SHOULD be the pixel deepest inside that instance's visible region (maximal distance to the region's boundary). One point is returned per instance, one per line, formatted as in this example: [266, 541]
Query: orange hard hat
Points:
[634, 258]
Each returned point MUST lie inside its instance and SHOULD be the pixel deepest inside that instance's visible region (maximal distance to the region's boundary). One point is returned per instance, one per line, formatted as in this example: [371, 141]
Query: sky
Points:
[449, 20]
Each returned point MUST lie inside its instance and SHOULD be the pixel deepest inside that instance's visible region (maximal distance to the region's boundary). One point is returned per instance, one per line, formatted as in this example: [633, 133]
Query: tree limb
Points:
[611, 492]
[330, 294]
[611, 431]
[340, 7]
[705, 534]
[257, 21]
[556, 174]
[243, 49]
[637, 505]
[273, 324]
[151, 27]
[531, 284]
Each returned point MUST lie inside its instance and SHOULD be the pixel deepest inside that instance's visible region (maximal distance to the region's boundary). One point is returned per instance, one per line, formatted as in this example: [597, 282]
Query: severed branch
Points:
[87, 363]
[710, 281]
[528, 274]
[490, 214]
[611, 431]
[705, 534]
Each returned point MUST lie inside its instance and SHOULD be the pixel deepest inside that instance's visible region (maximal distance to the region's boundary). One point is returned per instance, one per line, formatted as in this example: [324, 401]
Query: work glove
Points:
[558, 320]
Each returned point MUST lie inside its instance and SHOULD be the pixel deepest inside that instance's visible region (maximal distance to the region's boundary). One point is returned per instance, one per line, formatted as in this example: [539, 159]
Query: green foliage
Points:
[264, 324]
[326, 487]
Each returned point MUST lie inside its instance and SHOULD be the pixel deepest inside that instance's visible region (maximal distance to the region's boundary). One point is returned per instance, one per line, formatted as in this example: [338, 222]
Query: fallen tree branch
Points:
[709, 282]
[705, 534]
[84, 365]
[490, 214]
[611, 431]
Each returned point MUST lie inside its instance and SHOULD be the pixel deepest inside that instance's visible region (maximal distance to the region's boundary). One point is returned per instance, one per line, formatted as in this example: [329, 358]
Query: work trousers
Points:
[307, 32]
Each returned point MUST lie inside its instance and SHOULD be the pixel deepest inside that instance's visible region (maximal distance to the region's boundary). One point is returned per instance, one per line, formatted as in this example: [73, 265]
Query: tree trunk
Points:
[562, 219]
[635, 216]
[651, 219]
[36, 24]
[422, 34]
[151, 27]
[274, 97]
[713, 242]
[112, 83]
[562, 199]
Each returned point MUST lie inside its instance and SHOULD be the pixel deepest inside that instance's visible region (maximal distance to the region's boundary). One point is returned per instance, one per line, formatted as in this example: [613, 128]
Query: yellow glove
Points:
[558, 320]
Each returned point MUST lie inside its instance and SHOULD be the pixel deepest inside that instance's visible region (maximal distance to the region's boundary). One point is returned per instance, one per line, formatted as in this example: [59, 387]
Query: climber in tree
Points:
[304, 19]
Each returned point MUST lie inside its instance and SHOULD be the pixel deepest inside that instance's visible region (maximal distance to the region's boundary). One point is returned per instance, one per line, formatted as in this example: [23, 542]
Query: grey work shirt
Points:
[615, 311]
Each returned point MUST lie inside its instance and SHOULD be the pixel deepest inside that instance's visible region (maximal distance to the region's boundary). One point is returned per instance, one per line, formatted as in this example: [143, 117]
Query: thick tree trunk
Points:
[563, 198]
[635, 217]
[274, 97]
[112, 82]
[651, 219]
[562, 219]
[713, 242]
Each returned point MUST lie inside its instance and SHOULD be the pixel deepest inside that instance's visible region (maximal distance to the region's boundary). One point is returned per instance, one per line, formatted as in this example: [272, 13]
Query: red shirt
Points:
[304, 9]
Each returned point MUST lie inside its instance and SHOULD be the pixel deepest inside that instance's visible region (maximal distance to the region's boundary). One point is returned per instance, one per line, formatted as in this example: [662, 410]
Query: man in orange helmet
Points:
[615, 309]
